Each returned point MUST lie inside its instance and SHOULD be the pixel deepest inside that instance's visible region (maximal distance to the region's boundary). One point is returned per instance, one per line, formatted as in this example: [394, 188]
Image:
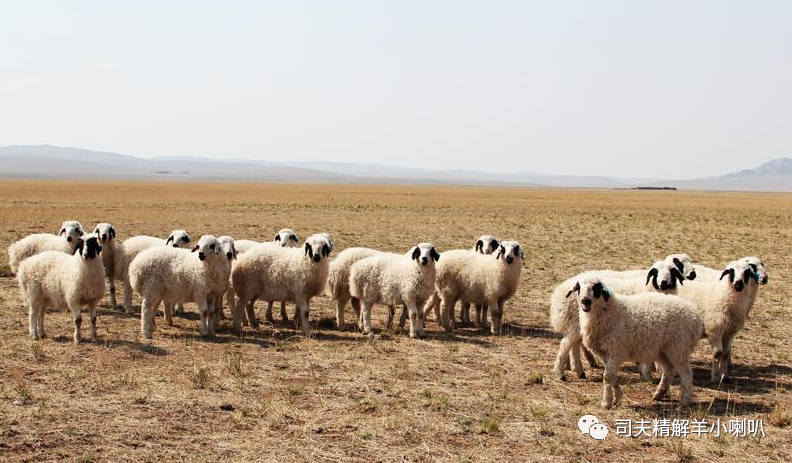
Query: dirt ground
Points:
[271, 395]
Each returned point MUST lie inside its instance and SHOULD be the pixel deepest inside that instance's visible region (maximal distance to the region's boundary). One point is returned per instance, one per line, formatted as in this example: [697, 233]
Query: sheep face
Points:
[592, 295]
[207, 246]
[318, 247]
[287, 238]
[424, 254]
[487, 244]
[664, 276]
[105, 232]
[510, 252]
[89, 248]
[178, 239]
[740, 275]
[72, 230]
[758, 267]
[227, 246]
[684, 263]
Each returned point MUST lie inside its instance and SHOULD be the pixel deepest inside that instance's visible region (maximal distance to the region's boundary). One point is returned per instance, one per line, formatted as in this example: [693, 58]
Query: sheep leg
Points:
[726, 360]
[112, 293]
[239, 312]
[464, 313]
[433, 304]
[646, 371]
[685, 371]
[391, 313]
[717, 358]
[250, 310]
[77, 319]
[147, 311]
[203, 311]
[33, 321]
[404, 315]
[665, 379]
[40, 325]
[128, 296]
[562, 357]
[340, 323]
[447, 311]
[367, 319]
[167, 310]
[302, 306]
[179, 309]
[355, 302]
[576, 346]
[610, 384]
[484, 309]
[284, 315]
[92, 314]
[592, 361]
[496, 314]
[230, 300]
[297, 317]
[416, 321]
[268, 313]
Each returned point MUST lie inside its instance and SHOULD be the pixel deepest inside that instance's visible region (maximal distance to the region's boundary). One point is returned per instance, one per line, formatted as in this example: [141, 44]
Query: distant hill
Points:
[46, 161]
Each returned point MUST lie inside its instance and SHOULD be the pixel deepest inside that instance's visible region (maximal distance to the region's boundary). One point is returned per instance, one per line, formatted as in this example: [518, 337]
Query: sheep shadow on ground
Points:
[144, 348]
[669, 407]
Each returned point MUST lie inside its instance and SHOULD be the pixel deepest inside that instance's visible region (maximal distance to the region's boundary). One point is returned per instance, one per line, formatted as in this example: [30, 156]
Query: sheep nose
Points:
[586, 304]
[175, 245]
[764, 280]
[664, 285]
[509, 259]
[316, 257]
[692, 275]
[229, 255]
[738, 286]
[424, 261]
[69, 238]
[201, 255]
[104, 236]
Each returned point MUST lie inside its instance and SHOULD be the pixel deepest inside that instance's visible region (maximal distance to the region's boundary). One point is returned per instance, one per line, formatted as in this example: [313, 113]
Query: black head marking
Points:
[677, 274]
[169, 240]
[308, 250]
[730, 272]
[435, 255]
[416, 253]
[494, 245]
[195, 248]
[325, 250]
[575, 289]
[653, 276]
[294, 238]
[479, 246]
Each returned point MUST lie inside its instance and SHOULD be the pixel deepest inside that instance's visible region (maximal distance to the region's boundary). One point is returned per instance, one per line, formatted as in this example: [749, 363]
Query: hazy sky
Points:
[628, 88]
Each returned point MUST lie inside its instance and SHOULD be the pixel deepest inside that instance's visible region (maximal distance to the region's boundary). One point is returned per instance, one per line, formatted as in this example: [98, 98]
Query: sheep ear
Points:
[479, 245]
[416, 253]
[169, 240]
[494, 245]
[294, 238]
[652, 273]
[96, 230]
[675, 273]
[277, 237]
[233, 249]
[597, 289]
[308, 250]
[79, 246]
[325, 250]
[435, 255]
[195, 248]
[112, 232]
[730, 272]
[501, 251]
[605, 294]
[62, 231]
[575, 289]
[679, 264]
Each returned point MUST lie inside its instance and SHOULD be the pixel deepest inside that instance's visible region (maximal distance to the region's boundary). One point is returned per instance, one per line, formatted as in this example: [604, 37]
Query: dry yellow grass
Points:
[272, 395]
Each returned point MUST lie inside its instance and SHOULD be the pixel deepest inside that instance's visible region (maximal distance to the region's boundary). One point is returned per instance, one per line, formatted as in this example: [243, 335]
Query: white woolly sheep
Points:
[107, 234]
[392, 279]
[59, 280]
[724, 304]
[338, 281]
[273, 273]
[178, 275]
[228, 247]
[64, 241]
[663, 276]
[683, 262]
[470, 277]
[644, 328]
[127, 250]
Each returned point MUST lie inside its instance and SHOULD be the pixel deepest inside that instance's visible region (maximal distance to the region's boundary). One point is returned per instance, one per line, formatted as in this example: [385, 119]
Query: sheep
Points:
[338, 281]
[711, 274]
[724, 304]
[683, 262]
[228, 247]
[645, 328]
[57, 279]
[480, 279]
[64, 241]
[127, 250]
[273, 273]
[391, 279]
[486, 244]
[107, 234]
[564, 313]
[179, 275]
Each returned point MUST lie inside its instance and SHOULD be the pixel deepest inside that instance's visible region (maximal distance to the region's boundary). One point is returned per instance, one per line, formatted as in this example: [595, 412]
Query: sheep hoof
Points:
[658, 396]
[581, 375]
[606, 405]
[561, 377]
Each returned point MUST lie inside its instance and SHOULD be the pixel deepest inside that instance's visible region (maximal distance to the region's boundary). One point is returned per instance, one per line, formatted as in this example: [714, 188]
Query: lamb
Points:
[228, 247]
[663, 275]
[178, 275]
[480, 279]
[64, 241]
[107, 233]
[391, 279]
[724, 304]
[275, 273]
[644, 328]
[126, 252]
[57, 279]
[338, 281]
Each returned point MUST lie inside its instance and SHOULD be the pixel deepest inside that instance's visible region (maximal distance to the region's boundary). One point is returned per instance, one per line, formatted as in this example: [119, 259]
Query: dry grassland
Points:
[271, 395]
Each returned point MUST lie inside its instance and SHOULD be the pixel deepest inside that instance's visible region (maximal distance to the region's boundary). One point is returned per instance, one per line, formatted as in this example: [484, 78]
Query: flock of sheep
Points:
[653, 317]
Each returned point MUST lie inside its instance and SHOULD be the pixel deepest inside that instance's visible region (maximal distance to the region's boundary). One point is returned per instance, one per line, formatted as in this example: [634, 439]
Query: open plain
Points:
[271, 395]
